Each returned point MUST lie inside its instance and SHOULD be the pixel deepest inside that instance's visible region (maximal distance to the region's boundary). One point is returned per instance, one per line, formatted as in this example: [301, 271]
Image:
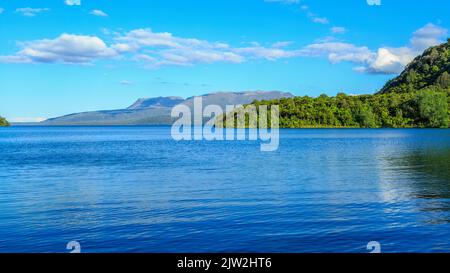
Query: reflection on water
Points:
[134, 189]
[432, 168]
[429, 179]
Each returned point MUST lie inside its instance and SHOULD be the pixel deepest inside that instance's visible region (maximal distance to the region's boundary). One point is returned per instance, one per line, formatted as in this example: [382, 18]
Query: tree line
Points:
[427, 108]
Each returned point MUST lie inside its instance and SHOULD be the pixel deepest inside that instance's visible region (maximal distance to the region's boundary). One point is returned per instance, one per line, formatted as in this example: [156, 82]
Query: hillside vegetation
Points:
[418, 98]
[431, 69]
[3, 122]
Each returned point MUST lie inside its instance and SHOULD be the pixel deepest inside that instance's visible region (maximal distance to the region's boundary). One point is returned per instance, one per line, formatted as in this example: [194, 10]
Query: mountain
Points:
[156, 102]
[156, 111]
[431, 69]
[226, 98]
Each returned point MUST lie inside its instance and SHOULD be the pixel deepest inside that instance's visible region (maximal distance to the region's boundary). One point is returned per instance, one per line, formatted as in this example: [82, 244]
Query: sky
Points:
[64, 56]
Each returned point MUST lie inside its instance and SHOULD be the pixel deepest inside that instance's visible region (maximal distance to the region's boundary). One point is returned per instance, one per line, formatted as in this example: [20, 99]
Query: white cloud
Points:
[167, 49]
[155, 49]
[97, 12]
[162, 49]
[429, 35]
[337, 52]
[393, 60]
[338, 30]
[124, 48]
[190, 56]
[30, 12]
[73, 2]
[66, 48]
[386, 62]
[146, 37]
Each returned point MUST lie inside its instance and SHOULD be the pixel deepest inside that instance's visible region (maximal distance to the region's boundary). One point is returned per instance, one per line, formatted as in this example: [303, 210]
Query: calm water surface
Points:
[133, 189]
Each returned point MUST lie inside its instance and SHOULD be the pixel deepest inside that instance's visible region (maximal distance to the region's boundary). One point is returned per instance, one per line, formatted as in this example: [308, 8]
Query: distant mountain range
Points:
[156, 111]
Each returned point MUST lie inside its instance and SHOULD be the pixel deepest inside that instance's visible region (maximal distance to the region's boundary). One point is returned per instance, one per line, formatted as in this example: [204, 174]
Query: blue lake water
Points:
[134, 189]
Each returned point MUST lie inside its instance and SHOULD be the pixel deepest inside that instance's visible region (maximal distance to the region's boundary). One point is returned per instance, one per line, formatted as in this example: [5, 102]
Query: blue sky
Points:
[63, 56]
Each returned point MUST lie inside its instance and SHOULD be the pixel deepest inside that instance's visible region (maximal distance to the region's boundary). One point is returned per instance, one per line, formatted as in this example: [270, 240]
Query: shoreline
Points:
[169, 125]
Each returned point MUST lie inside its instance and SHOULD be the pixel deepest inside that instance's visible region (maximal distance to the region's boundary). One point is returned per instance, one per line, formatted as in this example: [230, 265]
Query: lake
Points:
[134, 189]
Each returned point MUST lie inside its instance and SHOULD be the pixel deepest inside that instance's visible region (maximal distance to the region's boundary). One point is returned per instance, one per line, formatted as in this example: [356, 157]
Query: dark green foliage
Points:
[432, 68]
[427, 108]
[444, 80]
[433, 109]
[418, 98]
[3, 122]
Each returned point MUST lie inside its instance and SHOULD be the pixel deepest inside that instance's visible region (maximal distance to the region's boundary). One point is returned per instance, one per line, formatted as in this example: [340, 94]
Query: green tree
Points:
[426, 108]
[444, 80]
[365, 117]
[433, 109]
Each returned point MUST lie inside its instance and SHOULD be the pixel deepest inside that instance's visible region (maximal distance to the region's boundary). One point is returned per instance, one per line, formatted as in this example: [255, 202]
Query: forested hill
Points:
[418, 98]
[431, 69]
[3, 122]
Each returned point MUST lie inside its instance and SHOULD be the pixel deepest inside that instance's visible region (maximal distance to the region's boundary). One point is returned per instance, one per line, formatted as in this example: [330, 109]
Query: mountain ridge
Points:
[156, 111]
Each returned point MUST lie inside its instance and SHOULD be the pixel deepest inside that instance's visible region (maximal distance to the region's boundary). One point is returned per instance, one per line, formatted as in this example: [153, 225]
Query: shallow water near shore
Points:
[134, 189]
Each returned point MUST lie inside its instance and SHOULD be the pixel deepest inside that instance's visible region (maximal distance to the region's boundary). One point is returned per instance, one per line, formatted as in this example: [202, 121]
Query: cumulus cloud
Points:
[166, 49]
[73, 2]
[160, 49]
[156, 49]
[66, 48]
[30, 12]
[391, 60]
[97, 12]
